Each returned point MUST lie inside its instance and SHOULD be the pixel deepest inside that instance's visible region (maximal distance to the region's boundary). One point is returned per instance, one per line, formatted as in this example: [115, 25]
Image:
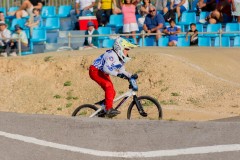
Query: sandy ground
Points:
[192, 84]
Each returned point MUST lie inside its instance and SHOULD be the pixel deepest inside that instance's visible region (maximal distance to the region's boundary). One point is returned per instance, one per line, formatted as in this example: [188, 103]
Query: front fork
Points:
[139, 106]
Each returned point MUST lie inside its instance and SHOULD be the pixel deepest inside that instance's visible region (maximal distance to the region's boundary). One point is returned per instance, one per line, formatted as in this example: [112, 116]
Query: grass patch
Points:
[48, 59]
[83, 113]
[68, 105]
[57, 96]
[164, 89]
[120, 92]
[44, 108]
[59, 108]
[170, 102]
[171, 119]
[146, 103]
[139, 71]
[175, 94]
[193, 100]
[67, 83]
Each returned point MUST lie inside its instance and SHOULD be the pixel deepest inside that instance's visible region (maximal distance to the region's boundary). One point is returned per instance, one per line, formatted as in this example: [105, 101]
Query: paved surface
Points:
[28, 137]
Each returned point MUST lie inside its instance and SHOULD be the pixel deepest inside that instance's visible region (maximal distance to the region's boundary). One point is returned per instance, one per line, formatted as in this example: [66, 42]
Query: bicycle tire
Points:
[89, 107]
[152, 108]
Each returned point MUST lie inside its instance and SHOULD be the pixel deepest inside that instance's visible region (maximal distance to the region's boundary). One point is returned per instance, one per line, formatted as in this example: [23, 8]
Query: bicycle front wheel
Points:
[84, 110]
[150, 105]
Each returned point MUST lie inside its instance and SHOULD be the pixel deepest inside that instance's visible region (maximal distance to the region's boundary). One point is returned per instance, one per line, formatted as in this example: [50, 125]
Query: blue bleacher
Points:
[225, 42]
[48, 11]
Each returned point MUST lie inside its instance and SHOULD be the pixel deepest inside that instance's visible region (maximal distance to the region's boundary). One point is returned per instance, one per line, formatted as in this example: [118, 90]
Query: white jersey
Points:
[85, 3]
[109, 63]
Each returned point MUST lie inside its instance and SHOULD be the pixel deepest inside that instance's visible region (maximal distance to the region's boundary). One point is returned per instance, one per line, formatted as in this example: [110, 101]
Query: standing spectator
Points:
[19, 33]
[105, 10]
[90, 42]
[194, 34]
[82, 8]
[27, 7]
[161, 5]
[154, 23]
[236, 9]
[221, 14]
[4, 44]
[172, 31]
[144, 11]
[2, 18]
[129, 18]
[179, 6]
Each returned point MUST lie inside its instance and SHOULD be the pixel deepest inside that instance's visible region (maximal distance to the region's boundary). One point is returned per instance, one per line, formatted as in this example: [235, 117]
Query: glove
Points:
[134, 76]
[122, 76]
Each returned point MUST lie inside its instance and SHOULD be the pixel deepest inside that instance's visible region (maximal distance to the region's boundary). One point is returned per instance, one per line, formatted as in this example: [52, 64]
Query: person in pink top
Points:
[129, 18]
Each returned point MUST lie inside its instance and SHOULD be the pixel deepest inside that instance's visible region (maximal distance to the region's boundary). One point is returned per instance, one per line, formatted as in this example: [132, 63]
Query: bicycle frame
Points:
[124, 98]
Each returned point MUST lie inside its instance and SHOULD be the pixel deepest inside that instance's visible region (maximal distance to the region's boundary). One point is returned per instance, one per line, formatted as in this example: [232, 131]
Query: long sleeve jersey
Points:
[109, 63]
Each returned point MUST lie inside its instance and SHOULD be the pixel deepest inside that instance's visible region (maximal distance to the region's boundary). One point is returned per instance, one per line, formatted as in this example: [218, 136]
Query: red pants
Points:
[105, 82]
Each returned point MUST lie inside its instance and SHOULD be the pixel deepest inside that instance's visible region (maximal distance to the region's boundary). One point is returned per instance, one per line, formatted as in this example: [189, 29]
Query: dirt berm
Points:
[190, 83]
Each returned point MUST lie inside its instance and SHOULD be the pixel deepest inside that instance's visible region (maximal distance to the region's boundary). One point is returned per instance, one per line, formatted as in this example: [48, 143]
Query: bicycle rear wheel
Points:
[84, 110]
[150, 105]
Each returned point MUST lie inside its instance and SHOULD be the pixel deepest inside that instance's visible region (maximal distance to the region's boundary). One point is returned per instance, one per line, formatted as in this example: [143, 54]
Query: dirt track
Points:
[191, 83]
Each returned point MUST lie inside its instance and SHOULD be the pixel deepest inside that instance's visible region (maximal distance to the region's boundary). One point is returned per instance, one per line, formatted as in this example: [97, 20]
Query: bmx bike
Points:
[142, 107]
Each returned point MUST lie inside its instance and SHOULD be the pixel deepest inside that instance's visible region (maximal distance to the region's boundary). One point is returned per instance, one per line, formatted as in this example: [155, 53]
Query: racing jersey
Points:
[109, 63]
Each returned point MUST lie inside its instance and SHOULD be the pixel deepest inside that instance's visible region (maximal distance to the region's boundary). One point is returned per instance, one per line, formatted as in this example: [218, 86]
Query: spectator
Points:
[2, 18]
[208, 6]
[19, 33]
[194, 34]
[4, 44]
[144, 11]
[37, 20]
[27, 7]
[236, 9]
[161, 5]
[90, 42]
[179, 6]
[129, 18]
[172, 31]
[154, 23]
[105, 10]
[221, 14]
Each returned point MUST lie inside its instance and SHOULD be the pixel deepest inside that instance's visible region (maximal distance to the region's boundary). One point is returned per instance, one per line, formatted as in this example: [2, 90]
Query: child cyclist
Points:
[111, 63]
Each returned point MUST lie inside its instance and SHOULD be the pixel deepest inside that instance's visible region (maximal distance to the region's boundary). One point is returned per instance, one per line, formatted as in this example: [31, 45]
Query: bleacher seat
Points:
[236, 42]
[104, 30]
[224, 40]
[163, 41]
[64, 11]
[182, 42]
[3, 10]
[203, 15]
[148, 41]
[13, 8]
[48, 11]
[107, 43]
[116, 22]
[30, 51]
[21, 22]
[213, 28]
[231, 27]
[39, 35]
[187, 18]
[204, 41]
[52, 23]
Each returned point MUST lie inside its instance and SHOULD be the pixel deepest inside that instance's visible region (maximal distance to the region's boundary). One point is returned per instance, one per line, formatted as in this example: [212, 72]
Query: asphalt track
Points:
[48, 137]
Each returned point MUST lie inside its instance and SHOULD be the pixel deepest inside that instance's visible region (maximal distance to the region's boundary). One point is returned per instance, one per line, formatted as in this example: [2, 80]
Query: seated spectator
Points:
[37, 19]
[154, 23]
[236, 9]
[144, 11]
[172, 32]
[129, 18]
[179, 6]
[194, 34]
[161, 5]
[27, 7]
[2, 18]
[4, 44]
[208, 6]
[19, 33]
[221, 14]
[105, 10]
[90, 42]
